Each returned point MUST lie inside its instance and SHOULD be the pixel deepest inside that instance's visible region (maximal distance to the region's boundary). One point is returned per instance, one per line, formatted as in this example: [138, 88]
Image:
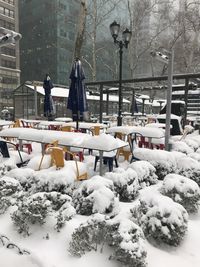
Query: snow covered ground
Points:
[49, 248]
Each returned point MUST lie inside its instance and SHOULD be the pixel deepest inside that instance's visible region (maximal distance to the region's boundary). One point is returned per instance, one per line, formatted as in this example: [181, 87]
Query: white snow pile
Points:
[24, 176]
[96, 195]
[162, 219]
[125, 183]
[163, 161]
[182, 190]
[146, 173]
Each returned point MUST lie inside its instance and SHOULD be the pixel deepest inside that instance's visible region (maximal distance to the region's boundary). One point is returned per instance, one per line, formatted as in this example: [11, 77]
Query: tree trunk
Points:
[80, 29]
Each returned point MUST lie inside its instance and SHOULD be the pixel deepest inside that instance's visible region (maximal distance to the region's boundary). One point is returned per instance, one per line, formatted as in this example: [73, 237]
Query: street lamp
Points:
[126, 36]
[169, 60]
[8, 37]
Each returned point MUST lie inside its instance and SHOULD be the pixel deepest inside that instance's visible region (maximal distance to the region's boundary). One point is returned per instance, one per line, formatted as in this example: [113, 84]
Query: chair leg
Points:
[116, 163]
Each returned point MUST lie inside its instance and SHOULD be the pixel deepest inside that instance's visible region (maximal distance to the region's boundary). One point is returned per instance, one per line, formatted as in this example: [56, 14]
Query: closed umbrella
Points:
[77, 101]
[48, 100]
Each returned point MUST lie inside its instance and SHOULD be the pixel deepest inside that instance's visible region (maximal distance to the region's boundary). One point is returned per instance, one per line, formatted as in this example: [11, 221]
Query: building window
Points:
[8, 64]
[7, 12]
[8, 51]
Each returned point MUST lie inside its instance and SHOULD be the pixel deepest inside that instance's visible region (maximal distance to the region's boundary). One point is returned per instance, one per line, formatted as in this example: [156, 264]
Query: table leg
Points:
[100, 162]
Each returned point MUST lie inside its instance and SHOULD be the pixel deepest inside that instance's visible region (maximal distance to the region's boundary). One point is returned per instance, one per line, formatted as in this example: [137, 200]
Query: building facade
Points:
[48, 29]
[9, 54]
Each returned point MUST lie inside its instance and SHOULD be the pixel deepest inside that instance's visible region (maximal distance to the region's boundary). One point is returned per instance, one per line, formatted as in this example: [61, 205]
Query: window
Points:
[8, 64]
[8, 51]
[7, 12]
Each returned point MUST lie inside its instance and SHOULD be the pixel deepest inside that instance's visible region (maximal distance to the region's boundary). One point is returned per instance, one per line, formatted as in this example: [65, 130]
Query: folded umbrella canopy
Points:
[48, 101]
[77, 101]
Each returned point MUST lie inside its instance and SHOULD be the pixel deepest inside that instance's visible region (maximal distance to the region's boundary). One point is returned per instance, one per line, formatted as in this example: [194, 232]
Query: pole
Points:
[169, 99]
[143, 106]
[107, 102]
[36, 103]
[101, 104]
[119, 118]
[186, 101]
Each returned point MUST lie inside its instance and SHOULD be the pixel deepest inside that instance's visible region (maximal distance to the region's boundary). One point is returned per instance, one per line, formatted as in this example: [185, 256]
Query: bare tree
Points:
[99, 11]
[80, 29]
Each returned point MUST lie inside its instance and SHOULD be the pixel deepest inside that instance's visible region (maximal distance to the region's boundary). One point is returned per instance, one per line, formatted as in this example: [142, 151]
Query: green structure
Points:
[48, 29]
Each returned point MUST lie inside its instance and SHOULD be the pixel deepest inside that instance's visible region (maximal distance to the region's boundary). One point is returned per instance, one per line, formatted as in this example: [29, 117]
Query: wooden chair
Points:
[67, 129]
[124, 151]
[79, 176]
[95, 130]
[52, 144]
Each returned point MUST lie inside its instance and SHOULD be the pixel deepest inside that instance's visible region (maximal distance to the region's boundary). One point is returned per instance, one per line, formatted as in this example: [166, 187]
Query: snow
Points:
[53, 252]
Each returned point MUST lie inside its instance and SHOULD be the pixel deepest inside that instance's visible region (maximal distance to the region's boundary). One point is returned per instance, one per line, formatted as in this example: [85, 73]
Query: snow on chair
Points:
[79, 176]
[52, 144]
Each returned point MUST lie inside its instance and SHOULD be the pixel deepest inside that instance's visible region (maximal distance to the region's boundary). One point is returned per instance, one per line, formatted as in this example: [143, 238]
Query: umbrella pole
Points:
[77, 120]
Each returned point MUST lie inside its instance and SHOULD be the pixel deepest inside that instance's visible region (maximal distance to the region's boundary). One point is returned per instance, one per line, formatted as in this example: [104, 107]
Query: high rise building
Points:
[48, 29]
[9, 54]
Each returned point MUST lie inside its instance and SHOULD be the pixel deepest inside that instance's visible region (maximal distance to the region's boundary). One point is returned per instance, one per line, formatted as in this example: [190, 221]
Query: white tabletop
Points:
[5, 123]
[102, 142]
[63, 119]
[144, 131]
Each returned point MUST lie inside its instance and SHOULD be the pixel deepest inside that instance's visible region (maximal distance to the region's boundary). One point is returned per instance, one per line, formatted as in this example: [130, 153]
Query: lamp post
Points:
[169, 60]
[126, 36]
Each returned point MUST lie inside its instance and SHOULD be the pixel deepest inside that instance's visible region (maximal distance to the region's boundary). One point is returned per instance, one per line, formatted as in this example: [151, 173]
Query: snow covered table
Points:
[102, 143]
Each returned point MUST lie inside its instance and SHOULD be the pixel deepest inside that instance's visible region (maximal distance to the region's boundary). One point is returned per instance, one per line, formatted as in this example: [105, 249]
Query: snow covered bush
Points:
[146, 173]
[195, 156]
[10, 191]
[163, 161]
[95, 195]
[24, 176]
[88, 235]
[182, 190]
[161, 219]
[125, 237]
[125, 183]
[181, 146]
[54, 180]
[189, 168]
[191, 143]
[6, 167]
[35, 209]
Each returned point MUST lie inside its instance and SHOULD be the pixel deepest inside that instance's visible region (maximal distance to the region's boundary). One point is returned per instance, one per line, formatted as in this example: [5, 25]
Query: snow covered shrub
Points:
[189, 168]
[9, 191]
[195, 156]
[181, 146]
[125, 237]
[95, 195]
[88, 235]
[191, 143]
[163, 161]
[146, 173]
[125, 183]
[6, 167]
[35, 209]
[182, 190]
[161, 219]
[53, 180]
[24, 176]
